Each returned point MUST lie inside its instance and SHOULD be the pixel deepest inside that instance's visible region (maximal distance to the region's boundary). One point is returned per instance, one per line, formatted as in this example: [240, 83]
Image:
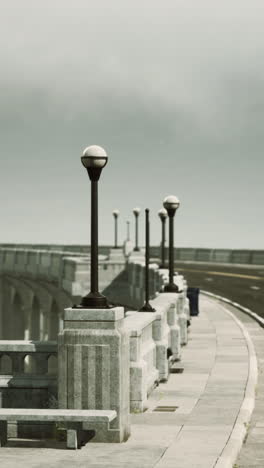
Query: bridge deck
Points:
[208, 397]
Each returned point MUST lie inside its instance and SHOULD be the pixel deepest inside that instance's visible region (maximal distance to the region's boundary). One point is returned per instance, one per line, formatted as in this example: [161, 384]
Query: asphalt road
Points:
[239, 283]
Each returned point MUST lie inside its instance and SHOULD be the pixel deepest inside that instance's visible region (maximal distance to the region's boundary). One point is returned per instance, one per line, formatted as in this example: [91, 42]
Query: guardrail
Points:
[233, 256]
[70, 271]
[155, 342]
[240, 256]
[96, 349]
[28, 373]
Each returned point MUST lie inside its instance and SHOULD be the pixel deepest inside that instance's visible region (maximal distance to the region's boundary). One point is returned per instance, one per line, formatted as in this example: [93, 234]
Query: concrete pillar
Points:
[183, 318]
[175, 332]
[93, 366]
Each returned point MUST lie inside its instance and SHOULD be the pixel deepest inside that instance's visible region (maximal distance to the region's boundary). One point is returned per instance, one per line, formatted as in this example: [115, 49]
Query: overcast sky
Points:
[172, 89]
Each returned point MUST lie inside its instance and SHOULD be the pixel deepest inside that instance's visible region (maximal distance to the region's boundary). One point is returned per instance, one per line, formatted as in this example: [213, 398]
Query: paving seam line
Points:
[232, 448]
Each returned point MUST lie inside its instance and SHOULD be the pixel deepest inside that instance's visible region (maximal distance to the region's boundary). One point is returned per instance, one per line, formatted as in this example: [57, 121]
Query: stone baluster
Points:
[17, 363]
[183, 318]
[175, 331]
[41, 363]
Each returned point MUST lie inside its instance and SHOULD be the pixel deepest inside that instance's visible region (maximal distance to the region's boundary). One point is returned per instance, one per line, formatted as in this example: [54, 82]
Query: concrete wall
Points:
[36, 286]
[242, 256]
[248, 257]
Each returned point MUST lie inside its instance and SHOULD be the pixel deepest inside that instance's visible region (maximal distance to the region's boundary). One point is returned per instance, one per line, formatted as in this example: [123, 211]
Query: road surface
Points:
[242, 284]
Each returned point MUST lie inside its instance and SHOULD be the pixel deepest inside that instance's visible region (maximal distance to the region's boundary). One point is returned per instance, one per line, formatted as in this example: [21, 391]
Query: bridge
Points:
[38, 282]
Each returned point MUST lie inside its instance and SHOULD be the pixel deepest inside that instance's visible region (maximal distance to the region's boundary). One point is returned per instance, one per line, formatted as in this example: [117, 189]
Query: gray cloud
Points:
[172, 89]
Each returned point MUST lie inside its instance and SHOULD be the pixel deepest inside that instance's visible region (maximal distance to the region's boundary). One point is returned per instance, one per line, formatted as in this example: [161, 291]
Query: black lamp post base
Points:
[147, 308]
[94, 301]
[171, 288]
[136, 249]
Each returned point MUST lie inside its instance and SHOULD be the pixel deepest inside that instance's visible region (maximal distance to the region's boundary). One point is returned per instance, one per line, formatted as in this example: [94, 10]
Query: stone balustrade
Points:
[136, 279]
[166, 328]
[108, 359]
[144, 375]
[151, 335]
[76, 273]
[239, 256]
[70, 271]
[232, 256]
[28, 373]
[155, 343]
[144, 343]
[33, 262]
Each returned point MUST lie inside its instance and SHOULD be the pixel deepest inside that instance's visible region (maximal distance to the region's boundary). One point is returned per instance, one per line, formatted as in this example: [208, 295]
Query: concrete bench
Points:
[74, 420]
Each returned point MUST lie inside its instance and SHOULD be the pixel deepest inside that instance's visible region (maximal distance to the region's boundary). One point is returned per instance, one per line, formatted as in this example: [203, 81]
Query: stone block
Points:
[93, 357]
[72, 442]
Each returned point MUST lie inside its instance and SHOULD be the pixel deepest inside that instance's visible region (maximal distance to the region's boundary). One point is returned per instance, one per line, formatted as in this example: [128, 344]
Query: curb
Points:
[247, 311]
[231, 450]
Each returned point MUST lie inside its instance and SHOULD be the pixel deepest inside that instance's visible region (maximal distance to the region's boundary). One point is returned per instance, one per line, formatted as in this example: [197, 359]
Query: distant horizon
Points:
[120, 246]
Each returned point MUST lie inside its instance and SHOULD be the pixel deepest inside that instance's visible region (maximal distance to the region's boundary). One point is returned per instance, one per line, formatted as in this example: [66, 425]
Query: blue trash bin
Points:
[193, 296]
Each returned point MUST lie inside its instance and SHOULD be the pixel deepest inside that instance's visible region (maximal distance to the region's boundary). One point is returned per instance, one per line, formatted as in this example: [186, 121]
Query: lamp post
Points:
[116, 214]
[128, 230]
[171, 204]
[147, 307]
[163, 216]
[94, 159]
[136, 212]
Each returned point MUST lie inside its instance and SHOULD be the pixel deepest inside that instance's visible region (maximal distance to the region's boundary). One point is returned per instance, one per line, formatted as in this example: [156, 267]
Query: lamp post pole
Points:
[136, 212]
[128, 230]
[116, 214]
[94, 159]
[147, 307]
[163, 216]
[94, 236]
[171, 204]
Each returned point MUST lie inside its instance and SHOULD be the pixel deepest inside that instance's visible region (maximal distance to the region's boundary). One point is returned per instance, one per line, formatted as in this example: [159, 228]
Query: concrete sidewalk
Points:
[208, 397]
[252, 452]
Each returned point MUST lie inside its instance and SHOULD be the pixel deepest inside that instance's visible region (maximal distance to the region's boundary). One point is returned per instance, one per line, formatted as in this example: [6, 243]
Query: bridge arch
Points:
[44, 298]
[18, 305]
[40, 307]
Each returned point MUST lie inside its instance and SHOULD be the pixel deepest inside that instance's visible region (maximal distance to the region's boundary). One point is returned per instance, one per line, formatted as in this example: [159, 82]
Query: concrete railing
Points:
[76, 273]
[240, 256]
[143, 344]
[28, 373]
[155, 337]
[233, 256]
[155, 343]
[69, 271]
[75, 248]
[144, 375]
[36, 263]
[157, 279]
